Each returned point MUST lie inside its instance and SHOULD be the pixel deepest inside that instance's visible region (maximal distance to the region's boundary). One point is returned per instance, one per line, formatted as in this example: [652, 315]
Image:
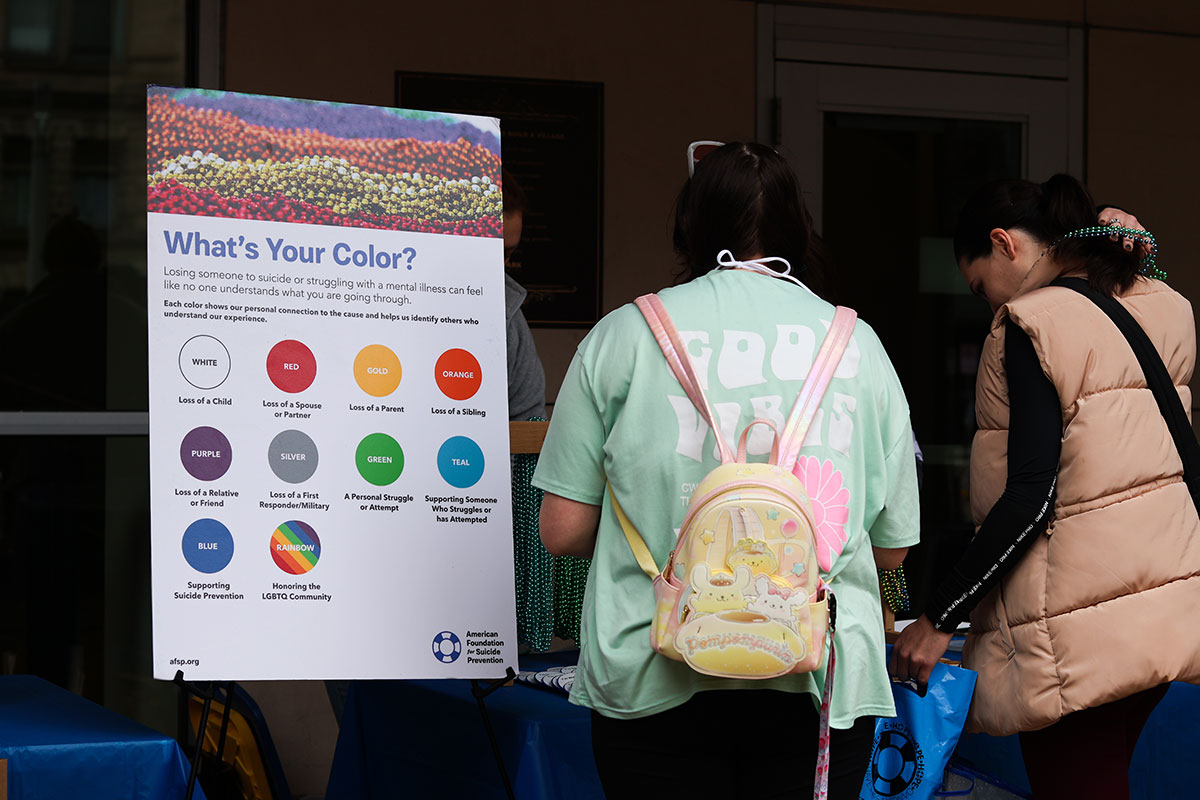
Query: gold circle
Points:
[377, 370]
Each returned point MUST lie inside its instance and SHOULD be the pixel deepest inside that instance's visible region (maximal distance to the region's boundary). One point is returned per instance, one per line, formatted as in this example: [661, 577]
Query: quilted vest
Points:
[1106, 603]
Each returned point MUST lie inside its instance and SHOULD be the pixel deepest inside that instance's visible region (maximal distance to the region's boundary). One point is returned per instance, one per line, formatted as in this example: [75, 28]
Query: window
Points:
[31, 27]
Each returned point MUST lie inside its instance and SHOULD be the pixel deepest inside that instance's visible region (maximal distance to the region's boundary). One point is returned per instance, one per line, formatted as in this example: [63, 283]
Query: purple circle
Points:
[205, 453]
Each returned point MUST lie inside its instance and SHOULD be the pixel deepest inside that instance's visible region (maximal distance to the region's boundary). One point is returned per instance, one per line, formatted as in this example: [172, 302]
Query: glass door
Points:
[74, 467]
[886, 157]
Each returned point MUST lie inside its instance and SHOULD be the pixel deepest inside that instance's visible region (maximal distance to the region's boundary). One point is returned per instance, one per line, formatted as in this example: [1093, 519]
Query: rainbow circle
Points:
[295, 547]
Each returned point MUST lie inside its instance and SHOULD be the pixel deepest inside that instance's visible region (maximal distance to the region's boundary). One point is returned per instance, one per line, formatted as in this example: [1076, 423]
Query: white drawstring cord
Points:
[725, 260]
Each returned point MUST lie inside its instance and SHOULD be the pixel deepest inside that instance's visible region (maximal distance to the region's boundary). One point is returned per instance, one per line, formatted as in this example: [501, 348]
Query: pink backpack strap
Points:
[681, 365]
[822, 371]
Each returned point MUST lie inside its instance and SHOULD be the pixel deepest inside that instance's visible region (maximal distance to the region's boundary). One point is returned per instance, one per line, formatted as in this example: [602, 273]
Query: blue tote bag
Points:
[913, 748]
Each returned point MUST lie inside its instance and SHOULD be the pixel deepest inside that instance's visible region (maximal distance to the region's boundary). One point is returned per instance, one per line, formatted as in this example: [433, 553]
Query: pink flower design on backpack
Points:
[831, 510]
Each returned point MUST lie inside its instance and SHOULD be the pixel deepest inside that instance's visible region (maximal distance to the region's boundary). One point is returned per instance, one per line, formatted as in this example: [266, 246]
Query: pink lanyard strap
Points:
[821, 778]
[819, 376]
[681, 365]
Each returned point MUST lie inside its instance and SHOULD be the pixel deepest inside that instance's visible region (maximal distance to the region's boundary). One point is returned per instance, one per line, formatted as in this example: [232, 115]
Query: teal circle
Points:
[460, 462]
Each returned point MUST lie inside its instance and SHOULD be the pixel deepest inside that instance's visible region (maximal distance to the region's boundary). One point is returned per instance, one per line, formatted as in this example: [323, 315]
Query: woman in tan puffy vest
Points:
[1088, 546]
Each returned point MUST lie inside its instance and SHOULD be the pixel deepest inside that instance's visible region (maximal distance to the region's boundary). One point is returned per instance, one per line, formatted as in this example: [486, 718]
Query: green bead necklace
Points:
[549, 589]
[894, 588]
[1149, 266]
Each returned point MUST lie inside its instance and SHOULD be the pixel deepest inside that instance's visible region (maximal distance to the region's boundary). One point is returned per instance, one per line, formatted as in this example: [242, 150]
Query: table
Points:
[58, 745]
[426, 739]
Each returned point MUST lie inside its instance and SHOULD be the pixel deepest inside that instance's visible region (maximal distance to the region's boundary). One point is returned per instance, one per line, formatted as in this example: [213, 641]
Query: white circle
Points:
[204, 362]
[446, 646]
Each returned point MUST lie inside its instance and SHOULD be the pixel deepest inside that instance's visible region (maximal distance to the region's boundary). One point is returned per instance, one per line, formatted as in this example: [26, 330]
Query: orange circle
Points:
[457, 374]
[377, 370]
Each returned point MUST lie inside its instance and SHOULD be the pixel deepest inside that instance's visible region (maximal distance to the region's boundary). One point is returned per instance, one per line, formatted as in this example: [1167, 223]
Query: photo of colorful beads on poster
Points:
[330, 489]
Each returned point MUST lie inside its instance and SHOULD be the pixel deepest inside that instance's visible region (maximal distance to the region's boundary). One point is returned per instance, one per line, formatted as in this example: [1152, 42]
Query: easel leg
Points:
[194, 772]
[480, 691]
[225, 720]
[208, 695]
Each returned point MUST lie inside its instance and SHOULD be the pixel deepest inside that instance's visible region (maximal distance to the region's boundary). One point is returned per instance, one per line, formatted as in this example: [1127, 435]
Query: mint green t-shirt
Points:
[621, 417]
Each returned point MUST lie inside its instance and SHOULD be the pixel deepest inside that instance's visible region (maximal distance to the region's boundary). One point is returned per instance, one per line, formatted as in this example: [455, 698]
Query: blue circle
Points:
[207, 546]
[889, 763]
[896, 764]
[447, 647]
[460, 461]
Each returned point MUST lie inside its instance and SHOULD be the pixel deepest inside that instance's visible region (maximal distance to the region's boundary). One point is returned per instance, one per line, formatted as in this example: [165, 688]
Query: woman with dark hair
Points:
[1087, 537]
[622, 421]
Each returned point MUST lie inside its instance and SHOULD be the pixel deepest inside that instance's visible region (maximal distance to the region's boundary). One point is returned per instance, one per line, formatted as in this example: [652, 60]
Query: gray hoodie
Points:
[526, 378]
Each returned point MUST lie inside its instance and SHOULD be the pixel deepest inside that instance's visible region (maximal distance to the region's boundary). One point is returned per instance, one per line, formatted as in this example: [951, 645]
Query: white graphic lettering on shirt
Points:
[700, 356]
[848, 366]
[741, 360]
[791, 359]
[742, 357]
[692, 429]
[729, 416]
[841, 427]
[771, 409]
[813, 439]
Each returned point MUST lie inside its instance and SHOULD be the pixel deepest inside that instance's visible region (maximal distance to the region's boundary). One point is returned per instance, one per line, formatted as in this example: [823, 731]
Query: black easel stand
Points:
[480, 691]
[208, 692]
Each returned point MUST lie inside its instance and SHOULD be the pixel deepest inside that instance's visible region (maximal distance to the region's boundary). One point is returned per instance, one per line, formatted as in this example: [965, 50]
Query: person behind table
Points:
[1087, 539]
[526, 377]
[621, 417]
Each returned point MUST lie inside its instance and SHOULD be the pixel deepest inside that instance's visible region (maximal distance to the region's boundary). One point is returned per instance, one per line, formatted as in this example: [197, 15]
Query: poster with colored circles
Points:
[330, 479]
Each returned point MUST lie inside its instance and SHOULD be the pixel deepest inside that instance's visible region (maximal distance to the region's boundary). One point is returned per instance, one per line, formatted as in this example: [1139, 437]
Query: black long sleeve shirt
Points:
[1023, 512]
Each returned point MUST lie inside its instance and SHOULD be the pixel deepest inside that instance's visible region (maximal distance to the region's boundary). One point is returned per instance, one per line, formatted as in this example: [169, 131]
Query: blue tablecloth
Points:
[60, 746]
[426, 739]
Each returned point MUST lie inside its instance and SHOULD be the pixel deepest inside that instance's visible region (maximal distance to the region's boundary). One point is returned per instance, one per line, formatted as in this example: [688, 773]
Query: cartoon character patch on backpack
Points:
[739, 614]
[741, 595]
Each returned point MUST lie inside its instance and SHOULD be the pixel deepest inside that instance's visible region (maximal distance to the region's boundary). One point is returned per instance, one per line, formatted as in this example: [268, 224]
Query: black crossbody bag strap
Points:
[1157, 378]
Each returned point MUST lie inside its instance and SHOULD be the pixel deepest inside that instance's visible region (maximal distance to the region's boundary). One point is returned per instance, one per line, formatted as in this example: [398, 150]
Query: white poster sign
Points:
[330, 491]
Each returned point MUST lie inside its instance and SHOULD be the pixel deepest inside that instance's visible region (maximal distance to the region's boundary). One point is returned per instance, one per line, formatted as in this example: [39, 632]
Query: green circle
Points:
[379, 459]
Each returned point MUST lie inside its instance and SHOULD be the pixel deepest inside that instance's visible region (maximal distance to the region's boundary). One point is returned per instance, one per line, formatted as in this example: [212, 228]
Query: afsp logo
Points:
[897, 766]
[446, 647]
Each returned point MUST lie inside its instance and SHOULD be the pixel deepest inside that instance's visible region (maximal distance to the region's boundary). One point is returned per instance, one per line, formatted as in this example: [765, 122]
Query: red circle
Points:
[457, 374]
[291, 366]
